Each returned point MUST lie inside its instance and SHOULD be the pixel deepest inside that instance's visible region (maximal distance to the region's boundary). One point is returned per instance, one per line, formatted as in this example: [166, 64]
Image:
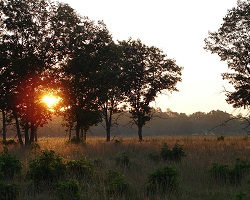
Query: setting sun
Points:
[50, 100]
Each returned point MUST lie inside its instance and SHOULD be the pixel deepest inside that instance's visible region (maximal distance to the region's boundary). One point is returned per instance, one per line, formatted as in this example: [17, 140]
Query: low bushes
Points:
[234, 175]
[9, 165]
[176, 153]
[163, 180]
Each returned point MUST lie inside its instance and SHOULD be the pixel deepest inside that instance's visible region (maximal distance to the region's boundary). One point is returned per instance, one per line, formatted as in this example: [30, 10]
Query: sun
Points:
[50, 100]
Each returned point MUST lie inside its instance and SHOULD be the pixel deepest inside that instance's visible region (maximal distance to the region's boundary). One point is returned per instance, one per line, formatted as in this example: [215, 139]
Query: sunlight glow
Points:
[50, 100]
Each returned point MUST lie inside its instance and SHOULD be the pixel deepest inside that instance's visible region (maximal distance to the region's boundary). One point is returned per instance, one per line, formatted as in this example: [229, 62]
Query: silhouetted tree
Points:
[81, 73]
[146, 72]
[29, 53]
[232, 43]
[111, 95]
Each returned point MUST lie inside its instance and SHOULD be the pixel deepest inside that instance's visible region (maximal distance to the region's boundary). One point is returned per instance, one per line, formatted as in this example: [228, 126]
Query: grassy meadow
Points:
[134, 161]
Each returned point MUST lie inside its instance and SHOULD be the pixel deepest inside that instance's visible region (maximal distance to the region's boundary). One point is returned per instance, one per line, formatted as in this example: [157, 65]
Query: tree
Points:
[232, 43]
[29, 52]
[81, 73]
[110, 92]
[146, 72]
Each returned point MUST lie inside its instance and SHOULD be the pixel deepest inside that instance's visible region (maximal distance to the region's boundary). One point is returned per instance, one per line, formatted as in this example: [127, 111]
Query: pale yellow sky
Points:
[179, 28]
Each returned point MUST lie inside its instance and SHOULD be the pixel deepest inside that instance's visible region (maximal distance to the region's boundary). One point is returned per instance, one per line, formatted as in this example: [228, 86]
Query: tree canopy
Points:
[47, 46]
[232, 43]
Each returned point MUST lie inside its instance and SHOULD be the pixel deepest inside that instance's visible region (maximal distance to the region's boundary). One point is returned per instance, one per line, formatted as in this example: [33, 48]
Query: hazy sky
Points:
[179, 28]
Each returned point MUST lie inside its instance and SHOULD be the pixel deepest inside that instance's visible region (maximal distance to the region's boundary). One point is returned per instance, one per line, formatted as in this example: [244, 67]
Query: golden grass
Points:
[194, 179]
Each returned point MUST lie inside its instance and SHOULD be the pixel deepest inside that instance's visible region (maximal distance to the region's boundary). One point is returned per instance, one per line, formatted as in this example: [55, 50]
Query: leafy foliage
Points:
[174, 154]
[46, 168]
[8, 191]
[163, 180]
[231, 43]
[80, 169]
[68, 190]
[115, 184]
[9, 165]
[146, 72]
[223, 173]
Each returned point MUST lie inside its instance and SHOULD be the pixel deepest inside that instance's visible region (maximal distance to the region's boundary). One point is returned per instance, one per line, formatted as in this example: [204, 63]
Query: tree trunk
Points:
[108, 132]
[18, 130]
[4, 125]
[108, 121]
[140, 133]
[81, 136]
[77, 132]
[26, 134]
[70, 131]
[85, 135]
[32, 133]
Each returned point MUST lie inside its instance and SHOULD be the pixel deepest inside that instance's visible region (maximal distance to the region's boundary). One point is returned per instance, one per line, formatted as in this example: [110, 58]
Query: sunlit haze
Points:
[50, 100]
[179, 28]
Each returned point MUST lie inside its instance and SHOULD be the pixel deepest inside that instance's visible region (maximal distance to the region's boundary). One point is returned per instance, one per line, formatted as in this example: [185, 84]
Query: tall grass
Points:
[193, 171]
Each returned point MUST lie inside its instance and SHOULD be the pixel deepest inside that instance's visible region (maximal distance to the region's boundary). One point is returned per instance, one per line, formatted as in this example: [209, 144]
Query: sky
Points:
[179, 28]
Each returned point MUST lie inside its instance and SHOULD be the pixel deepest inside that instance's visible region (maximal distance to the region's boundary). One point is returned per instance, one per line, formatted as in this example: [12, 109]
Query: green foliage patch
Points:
[223, 173]
[163, 180]
[9, 165]
[174, 154]
[80, 169]
[115, 184]
[46, 168]
[68, 190]
[8, 191]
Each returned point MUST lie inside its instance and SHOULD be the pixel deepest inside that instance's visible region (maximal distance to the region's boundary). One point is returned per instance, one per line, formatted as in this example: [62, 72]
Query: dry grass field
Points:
[133, 162]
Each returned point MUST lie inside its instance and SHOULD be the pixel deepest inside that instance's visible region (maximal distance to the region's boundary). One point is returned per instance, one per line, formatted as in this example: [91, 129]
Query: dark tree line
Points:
[47, 47]
[168, 123]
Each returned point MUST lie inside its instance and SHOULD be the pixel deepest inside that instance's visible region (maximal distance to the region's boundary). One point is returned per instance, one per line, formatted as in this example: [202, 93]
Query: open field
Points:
[194, 180]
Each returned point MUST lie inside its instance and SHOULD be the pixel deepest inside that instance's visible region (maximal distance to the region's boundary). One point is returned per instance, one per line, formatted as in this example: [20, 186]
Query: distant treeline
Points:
[215, 122]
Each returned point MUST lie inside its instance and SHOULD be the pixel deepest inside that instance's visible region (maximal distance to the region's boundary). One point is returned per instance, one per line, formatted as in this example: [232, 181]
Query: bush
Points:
[165, 152]
[241, 168]
[69, 190]
[163, 180]
[9, 165]
[177, 152]
[174, 154]
[240, 196]
[80, 169]
[8, 191]
[115, 184]
[46, 168]
[222, 173]
[154, 156]
[122, 159]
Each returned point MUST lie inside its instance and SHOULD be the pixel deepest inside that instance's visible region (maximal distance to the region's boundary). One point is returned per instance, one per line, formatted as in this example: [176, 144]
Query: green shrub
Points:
[69, 190]
[240, 196]
[174, 154]
[166, 152]
[223, 173]
[241, 168]
[8, 191]
[220, 172]
[46, 168]
[154, 156]
[115, 184]
[163, 180]
[122, 160]
[9, 165]
[80, 169]
[178, 152]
